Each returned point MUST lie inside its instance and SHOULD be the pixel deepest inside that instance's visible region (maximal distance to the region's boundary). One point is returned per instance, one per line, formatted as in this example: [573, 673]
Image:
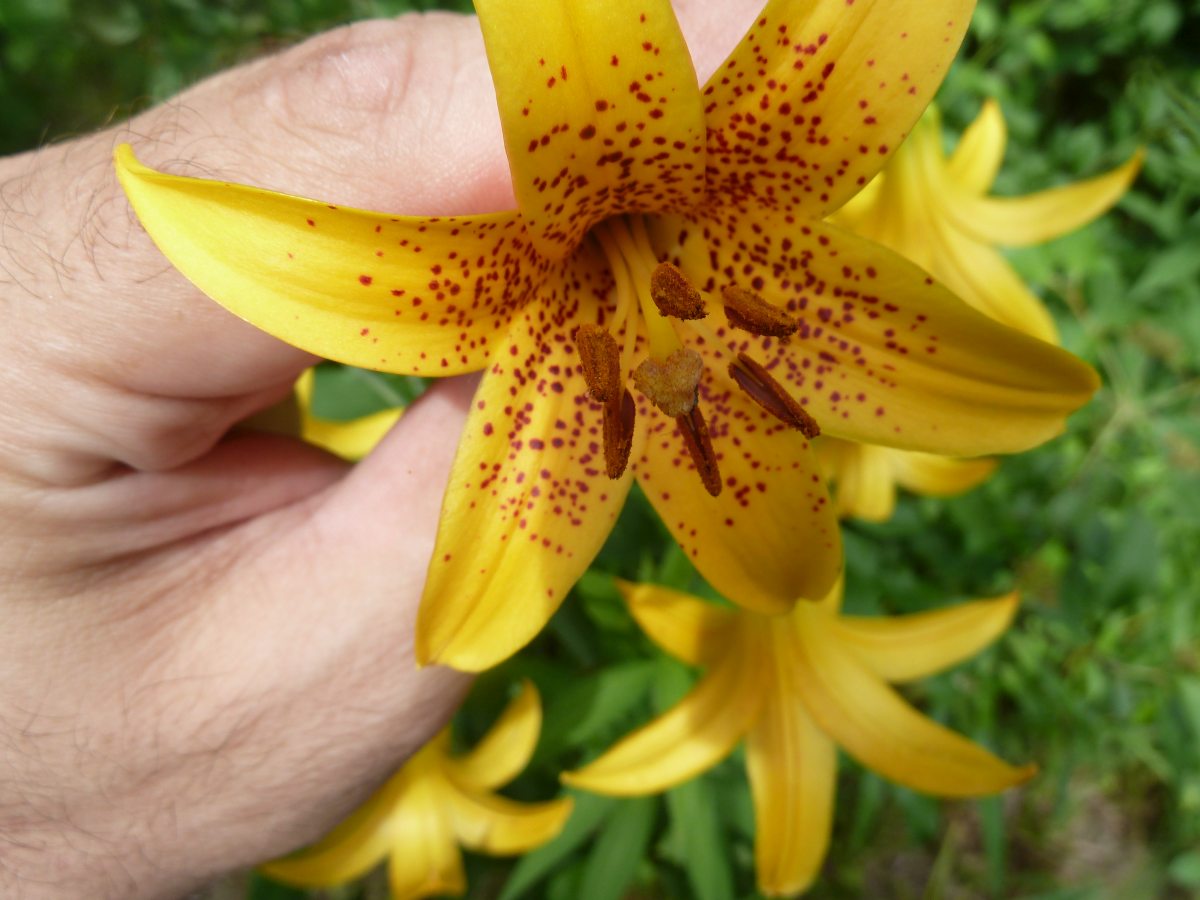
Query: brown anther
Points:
[748, 311]
[601, 361]
[671, 384]
[771, 396]
[694, 431]
[618, 433]
[674, 295]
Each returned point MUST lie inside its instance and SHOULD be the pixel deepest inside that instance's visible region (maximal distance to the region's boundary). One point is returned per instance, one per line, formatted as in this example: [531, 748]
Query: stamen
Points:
[674, 295]
[694, 431]
[618, 433]
[601, 361]
[771, 396]
[671, 384]
[748, 311]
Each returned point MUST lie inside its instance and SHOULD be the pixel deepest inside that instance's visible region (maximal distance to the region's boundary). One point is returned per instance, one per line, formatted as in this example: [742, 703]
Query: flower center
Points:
[666, 303]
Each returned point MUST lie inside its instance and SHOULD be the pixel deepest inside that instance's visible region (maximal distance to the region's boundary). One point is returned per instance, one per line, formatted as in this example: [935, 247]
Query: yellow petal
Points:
[772, 535]
[528, 504]
[878, 728]
[792, 766]
[692, 736]
[865, 485]
[357, 844]
[685, 626]
[600, 108]
[985, 280]
[819, 93]
[422, 296]
[884, 354]
[939, 476]
[903, 648]
[862, 207]
[1035, 218]
[507, 747]
[350, 440]
[487, 823]
[976, 160]
[425, 861]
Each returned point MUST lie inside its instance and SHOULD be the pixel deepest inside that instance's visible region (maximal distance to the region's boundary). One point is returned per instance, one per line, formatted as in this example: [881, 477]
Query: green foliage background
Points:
[1099, 681]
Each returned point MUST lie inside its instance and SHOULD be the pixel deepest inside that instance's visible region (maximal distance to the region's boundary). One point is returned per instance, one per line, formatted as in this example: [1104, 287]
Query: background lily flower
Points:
[352, 439]
[434, 803]
[795, 687]
[936, 210]
[620, 161]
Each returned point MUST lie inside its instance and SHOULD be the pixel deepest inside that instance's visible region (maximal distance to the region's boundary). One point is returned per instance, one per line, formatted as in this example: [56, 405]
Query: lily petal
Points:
[877, 727]
[350, 440]
[491, 824]
[685, 626]
[819, 93]
[420, 296]
[976, 160]
[1035, 218]
[939, 476]
[424, 860]
[771, 536]
[865, 484]
[984, 279]
[904, 648]
[600, 109]
[507, 747]
[358, 843]
[792, 766]
[884, 354]
[691, 737]
[529, 504]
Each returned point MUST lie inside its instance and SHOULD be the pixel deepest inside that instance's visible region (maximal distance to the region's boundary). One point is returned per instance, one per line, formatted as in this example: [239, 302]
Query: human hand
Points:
[206, 654]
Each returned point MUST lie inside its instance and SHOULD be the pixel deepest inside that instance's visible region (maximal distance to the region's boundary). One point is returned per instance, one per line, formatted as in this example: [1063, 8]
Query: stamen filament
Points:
[663, 341]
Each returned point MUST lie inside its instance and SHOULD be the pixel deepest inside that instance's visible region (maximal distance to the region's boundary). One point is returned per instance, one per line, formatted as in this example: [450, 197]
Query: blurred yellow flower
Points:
[434, 803]
[352, 439]
[935, 210]
[796, 686]
[621, 163]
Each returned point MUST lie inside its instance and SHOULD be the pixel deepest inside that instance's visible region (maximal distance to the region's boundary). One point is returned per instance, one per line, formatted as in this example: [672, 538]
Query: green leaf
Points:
[696, 841]
[589, 812]
[1184, 870]
[595, 707]
[620, 848]
[263, 888]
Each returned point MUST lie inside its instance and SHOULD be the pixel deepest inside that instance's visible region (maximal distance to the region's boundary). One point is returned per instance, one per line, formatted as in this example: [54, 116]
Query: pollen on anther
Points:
[747, 310]
[671, 384]
[674, 295]
[600, 361]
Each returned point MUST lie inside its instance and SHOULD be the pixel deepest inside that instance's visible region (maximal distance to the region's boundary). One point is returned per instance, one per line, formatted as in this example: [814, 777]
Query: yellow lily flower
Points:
[622, 164]
[794, 687]
[935, 210]
[434, 803]
[351, 440]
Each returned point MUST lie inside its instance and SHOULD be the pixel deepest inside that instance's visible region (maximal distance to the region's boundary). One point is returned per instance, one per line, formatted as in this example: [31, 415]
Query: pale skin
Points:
[205, 633]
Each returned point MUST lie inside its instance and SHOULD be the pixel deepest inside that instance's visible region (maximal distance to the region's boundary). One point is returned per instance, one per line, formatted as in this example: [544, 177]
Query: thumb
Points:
[385, 114]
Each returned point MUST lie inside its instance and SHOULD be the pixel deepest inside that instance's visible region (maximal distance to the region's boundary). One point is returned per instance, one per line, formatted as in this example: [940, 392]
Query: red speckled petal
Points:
[884, 354]
[420, 296]
[529, 503]
[600, 108]
[819, 93]
[772, 535]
